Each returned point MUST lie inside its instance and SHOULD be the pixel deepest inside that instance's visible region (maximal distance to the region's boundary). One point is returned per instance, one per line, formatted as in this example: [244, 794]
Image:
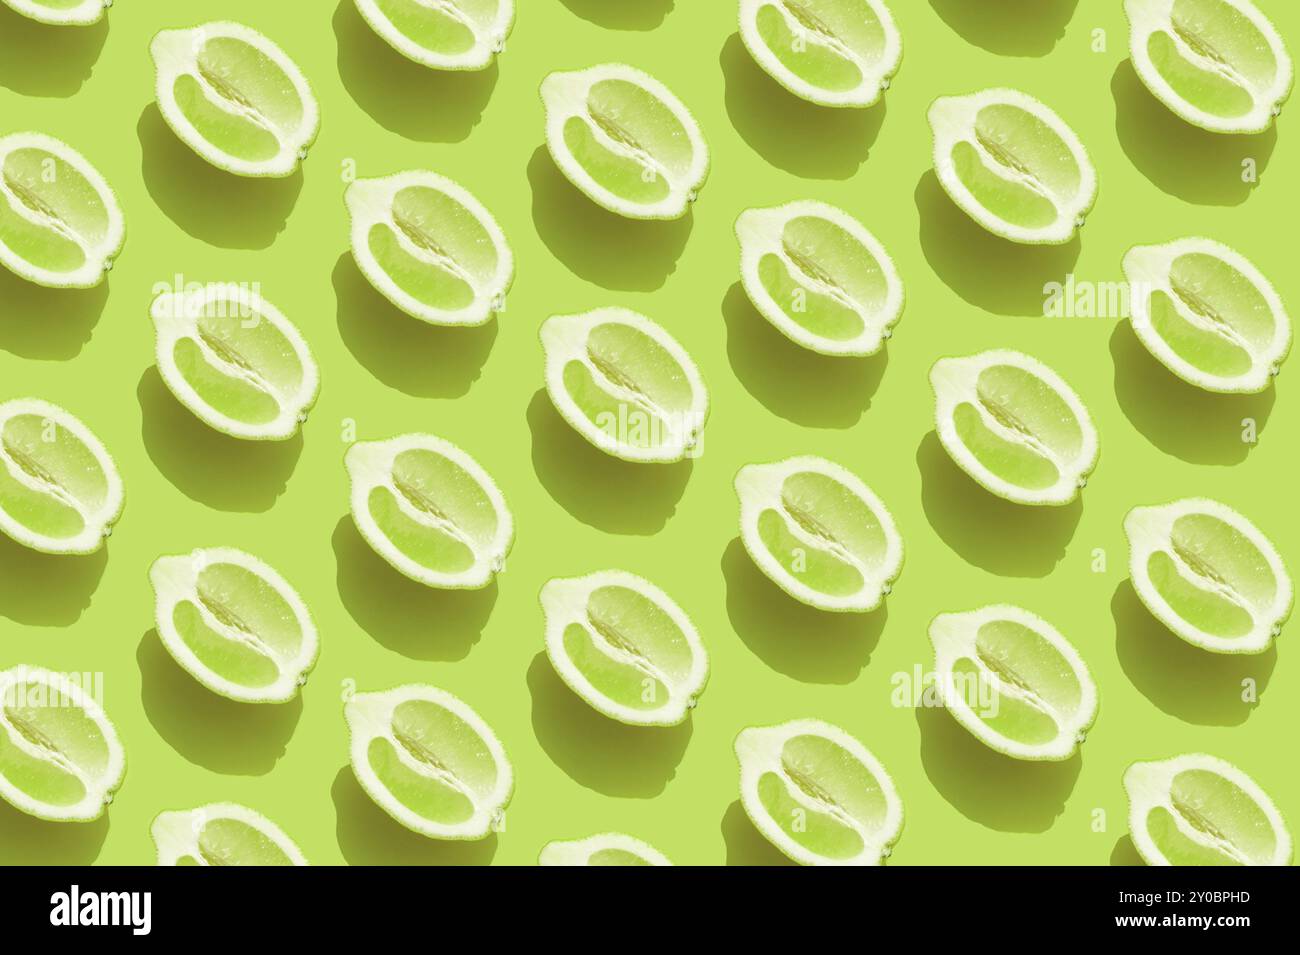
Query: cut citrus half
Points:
[1201, 810]
[429, 247]
[443, 34]
[1219, 64]
[820, 277]
[625, 385]
[1207, 314]
[430, 510]
[61, 12]
[233, 359]
[625, 647]
[819, 533]
[234, 624]
[222, 834]
[60, 224]
[625, 140]
[829, 52]
[429, 761]
[60, 492]
[1010, 678]
[607, 848]
[1014, 425]
[817, 794]
[1012, 165]
[235, 98]
[1208, 574]
[60, 757]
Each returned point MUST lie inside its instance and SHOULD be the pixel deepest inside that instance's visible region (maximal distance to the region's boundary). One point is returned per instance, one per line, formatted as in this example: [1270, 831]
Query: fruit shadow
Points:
[229, 474]
[1159, 142]
[802, 138]
[369, 836]
[746, 846]
[221, 735]
[1125, 853]
[1009, 795]
[810, 645]
[47, 590]
[210, 204]
[416, 358]
[1197, 426]
[40, 59]
[793, 382]
[602, 491]
[1000, 536]
[405, 97]
[986, 270]
[419, 622]
[609, 250]
[597, 752]
[1008, 27]
[28, 841]
[47, 323]
[1186, 682]
[622, 14]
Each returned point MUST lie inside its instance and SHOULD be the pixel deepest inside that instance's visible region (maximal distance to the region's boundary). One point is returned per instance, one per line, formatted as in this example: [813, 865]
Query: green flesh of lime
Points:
[65, 469]
[815, 58]
[433, 29]
[430, 283]
[68, 209]
[231, 842]
[615, 857]
[56, 726]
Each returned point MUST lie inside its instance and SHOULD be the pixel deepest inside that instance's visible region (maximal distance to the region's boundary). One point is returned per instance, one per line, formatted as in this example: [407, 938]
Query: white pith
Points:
[369, 716]
[370, 202]
[564, 339]
[84, 14]
[489, 38]
[760, 232]
[1148, 530]
[758, 487]
[954, 382]
[579, 851]
[99, 521]
[565, 601]
[176, 833]
[99, 255]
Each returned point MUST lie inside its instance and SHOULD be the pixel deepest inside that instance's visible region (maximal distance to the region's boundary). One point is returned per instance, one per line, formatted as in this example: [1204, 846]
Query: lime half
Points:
[60, 757]
[429, 761]
[625, 647]
[60, 224]
[625, 140]
[222, 834]
[1201, 810]
[607, 848]
[61, 12]
[817, 794]
[1219, 64]
[1209, 575]
[445, 34]
[235, 98]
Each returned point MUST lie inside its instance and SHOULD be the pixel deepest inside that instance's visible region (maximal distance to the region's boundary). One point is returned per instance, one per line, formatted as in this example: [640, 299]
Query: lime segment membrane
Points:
[442, 34]
[222, 834]
[607, 848]
[61, 12]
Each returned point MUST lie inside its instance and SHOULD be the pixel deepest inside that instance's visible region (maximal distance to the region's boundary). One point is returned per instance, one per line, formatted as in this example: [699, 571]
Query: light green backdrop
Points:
[578, 510]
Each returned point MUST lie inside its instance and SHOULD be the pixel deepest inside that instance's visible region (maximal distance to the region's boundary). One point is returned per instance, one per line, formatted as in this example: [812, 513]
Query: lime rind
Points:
[954, 383]
[760, 233]
[176, 833]
[98, 253]
[565, 339]
[954, 637]
[370, 203]
[97, 521]
[174, 54]
[565, 602]
[1148, 18]
[489, 35]
[1149, 531]
[370, 716]
[1148, 269]
[759, 488]
[565, 96]
[876, 73]
[579, 852]
[370, 465]
[100, 788]
[176, 578]
[175, 316]
[1148, 787]
[85, 13]
[759, 751]
[952, 121]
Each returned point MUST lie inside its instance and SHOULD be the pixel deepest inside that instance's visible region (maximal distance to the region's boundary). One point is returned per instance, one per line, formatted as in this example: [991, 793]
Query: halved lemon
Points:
[62, 12]
[222, 834]
[444, 34]
[607, 848]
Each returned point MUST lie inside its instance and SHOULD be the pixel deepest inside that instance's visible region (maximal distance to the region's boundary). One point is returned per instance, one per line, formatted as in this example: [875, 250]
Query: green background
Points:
[577, 510]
